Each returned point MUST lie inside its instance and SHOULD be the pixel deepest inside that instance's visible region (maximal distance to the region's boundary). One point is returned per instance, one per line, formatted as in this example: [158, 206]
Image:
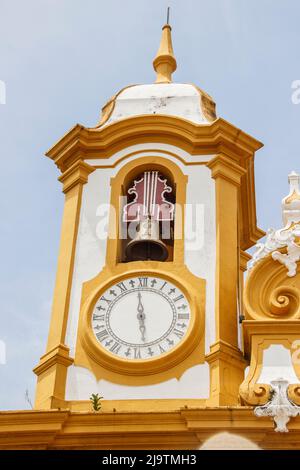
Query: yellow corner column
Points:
[225, 359]
[52, 369]
[244, 259]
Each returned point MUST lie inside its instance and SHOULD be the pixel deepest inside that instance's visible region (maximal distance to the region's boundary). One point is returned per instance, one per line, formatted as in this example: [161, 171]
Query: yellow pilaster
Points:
[52, 369]
[244, 259]
[225, 360]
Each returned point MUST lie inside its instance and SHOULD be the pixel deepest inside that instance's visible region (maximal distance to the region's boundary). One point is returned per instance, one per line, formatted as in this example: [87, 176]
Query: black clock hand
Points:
[141, 316]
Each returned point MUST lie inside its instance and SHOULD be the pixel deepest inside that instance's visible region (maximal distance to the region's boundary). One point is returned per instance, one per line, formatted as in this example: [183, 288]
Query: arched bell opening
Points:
[148, 214]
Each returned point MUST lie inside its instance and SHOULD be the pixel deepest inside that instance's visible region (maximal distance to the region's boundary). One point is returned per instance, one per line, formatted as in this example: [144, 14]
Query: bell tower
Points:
[159, 210]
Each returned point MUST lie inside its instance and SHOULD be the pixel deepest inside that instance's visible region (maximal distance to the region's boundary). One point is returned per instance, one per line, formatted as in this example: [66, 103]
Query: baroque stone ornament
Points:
[280, 407]
[270, 294]
[293, 254]
[252, 394]
[287, 238]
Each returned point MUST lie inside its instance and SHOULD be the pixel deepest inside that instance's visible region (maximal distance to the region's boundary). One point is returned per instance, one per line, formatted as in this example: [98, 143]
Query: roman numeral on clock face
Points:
[183, 316]
[137, 353]
[115, 348]
[105, 300]
[98, 317]
[102, 335]
[122, 287]
[178, 333]
[178, 298]
[143, 281]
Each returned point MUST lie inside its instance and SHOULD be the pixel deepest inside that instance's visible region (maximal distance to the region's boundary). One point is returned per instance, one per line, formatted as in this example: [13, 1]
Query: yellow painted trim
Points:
[138, 406]
[151, 151]
[52, 368]
[227, 176]
[51, 377]
[244, 259]
[196, 139]
[59, 354]
[225, 360]
[226, 365]
[76, 174]
[185, 428]
[73, 180]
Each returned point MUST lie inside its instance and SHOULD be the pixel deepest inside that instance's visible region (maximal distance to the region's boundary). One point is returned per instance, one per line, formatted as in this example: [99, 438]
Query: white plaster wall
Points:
[277, 363]
[200, 238]
[90, 259]
[82, 383]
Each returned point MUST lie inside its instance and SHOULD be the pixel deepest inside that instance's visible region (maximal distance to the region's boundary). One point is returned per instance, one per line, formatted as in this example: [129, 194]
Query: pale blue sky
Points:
[61, 60]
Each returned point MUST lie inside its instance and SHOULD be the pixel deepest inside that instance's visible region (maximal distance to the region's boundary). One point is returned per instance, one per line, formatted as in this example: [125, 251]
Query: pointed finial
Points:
[165, 63]
[291, 203]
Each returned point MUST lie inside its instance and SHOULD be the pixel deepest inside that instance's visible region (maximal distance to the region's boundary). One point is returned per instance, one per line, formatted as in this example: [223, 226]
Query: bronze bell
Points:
[147, 244]
[149, 209]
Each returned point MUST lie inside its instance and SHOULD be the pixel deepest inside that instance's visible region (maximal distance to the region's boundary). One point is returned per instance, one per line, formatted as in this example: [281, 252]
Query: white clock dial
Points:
[141, 317]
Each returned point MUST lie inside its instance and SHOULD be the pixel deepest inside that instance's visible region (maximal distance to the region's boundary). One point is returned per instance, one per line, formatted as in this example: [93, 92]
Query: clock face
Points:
[141, 318]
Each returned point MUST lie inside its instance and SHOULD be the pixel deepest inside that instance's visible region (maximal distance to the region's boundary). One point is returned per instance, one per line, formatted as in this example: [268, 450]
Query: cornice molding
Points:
[195, 138]
[224, 167]
[189, 428]
[221, 350]
[244, 259]
[76, 174]
[269, 329]
[57, 355]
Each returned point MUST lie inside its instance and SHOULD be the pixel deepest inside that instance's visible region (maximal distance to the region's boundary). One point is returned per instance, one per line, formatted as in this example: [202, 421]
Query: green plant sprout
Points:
[96, 401]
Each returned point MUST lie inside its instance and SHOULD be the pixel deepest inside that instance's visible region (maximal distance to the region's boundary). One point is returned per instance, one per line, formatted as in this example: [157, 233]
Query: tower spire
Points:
[165, 63]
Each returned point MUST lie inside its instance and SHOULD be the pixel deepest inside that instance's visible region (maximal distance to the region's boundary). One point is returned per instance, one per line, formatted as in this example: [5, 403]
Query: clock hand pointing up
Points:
[141, 316]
